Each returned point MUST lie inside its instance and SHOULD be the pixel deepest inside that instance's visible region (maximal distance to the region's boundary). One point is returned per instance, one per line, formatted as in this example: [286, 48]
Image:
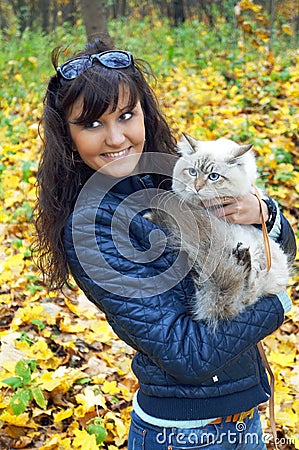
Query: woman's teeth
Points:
[116, 154]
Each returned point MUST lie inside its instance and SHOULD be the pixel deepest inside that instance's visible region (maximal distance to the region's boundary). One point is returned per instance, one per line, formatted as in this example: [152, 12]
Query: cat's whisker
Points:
[181, 202]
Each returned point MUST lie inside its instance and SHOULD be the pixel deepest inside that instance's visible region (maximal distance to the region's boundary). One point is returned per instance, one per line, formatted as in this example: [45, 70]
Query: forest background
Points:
[223, 69]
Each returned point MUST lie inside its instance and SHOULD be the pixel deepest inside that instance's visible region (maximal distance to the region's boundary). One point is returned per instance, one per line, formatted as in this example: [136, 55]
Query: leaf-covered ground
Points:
[83, 369]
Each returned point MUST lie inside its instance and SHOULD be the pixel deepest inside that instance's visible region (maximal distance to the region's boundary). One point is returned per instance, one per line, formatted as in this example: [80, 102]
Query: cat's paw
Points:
[259, 261]
[242, 255]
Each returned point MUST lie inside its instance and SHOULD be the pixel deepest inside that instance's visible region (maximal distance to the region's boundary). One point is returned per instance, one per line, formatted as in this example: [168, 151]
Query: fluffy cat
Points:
[228, 260]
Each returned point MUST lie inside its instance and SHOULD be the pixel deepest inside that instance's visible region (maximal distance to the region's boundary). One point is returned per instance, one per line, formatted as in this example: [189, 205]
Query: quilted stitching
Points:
[176, 353]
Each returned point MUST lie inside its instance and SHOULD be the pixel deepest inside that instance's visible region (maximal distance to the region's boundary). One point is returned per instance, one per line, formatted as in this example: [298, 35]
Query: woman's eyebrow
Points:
[124, 108]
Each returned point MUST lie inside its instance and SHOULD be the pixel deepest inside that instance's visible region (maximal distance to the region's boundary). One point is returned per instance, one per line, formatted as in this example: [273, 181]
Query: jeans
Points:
[246, 435]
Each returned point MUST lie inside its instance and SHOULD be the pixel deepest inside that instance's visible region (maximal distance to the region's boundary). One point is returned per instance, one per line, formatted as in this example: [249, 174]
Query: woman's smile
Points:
[114, 142]
[116, 155]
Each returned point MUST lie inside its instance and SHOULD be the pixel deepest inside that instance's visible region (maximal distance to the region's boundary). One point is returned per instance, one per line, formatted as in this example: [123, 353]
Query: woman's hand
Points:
[244, 210]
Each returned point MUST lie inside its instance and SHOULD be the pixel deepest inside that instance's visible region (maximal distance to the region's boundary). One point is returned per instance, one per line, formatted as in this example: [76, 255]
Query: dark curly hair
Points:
[60, 177]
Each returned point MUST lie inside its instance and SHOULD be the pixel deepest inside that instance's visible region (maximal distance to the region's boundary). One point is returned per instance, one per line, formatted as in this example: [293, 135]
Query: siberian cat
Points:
[228, 260]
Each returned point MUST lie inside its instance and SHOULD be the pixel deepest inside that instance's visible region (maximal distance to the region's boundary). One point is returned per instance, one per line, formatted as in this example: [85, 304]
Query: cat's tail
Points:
[223, 293]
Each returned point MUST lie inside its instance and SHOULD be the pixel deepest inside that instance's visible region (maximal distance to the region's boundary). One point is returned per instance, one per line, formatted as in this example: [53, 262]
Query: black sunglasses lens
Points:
[115, 60]
[71, 69]
[111, 59]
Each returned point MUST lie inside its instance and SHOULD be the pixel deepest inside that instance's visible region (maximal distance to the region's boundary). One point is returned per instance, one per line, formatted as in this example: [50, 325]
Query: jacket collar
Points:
[133, 183]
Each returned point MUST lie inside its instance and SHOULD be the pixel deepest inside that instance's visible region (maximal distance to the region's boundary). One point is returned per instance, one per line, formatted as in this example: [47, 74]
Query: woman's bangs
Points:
[101, 93]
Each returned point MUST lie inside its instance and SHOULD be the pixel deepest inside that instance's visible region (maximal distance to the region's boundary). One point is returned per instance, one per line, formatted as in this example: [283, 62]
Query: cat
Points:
[228, 260]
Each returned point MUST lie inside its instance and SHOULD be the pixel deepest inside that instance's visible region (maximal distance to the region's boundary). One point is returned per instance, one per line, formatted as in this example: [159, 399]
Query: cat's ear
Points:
[237, 152]
[241, 150]
[187, 145]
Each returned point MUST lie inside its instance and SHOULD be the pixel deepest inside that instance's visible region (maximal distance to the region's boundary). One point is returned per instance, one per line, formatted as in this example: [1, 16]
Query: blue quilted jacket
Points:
[184, 370]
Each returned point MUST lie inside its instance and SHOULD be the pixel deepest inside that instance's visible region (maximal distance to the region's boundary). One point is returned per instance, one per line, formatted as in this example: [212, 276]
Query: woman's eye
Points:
[214, 176]
[192, 172]
[94, 124]
[126, 116]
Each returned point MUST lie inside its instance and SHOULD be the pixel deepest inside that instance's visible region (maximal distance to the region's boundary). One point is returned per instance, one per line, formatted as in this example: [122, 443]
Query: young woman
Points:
[107, 149]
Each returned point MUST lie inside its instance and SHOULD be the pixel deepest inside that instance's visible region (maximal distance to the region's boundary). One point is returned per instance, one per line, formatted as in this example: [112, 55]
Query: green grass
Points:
[26, 59]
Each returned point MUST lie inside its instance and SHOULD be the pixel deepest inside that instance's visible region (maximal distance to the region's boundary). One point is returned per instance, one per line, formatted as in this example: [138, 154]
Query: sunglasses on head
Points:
[112, 59]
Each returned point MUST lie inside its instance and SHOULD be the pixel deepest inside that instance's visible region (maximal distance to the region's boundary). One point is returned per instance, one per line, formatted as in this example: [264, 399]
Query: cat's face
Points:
[209, 169]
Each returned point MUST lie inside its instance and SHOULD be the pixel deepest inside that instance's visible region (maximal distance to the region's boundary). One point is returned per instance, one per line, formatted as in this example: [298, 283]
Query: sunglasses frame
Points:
[89, 62]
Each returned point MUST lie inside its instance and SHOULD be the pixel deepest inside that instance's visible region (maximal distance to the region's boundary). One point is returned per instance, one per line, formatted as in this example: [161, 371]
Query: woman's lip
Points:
[116, 155]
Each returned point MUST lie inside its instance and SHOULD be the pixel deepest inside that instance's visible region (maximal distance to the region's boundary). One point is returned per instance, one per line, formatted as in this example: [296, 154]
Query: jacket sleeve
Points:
[286, 239]
[157, 325]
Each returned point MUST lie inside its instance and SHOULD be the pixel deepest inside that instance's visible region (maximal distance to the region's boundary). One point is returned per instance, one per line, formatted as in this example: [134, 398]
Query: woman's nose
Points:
[115, 136]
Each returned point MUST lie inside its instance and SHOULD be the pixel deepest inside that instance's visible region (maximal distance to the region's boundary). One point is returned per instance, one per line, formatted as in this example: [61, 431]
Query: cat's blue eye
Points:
[214, 176]
[192, 172]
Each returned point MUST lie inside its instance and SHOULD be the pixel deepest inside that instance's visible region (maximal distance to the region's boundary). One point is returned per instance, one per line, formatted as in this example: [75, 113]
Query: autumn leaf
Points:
[64, 414]
[110, 387]
[83, 370]
[89, 399]
[84, 441]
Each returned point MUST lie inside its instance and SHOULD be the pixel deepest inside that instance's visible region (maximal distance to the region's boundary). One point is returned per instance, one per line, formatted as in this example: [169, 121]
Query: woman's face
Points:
[114, 142]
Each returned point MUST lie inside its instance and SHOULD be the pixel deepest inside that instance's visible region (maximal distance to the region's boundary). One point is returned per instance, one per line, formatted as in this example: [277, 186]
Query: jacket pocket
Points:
[241, 375]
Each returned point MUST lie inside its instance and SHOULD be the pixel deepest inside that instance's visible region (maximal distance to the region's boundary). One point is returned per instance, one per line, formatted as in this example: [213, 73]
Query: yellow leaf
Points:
[62, 377]
[103, 330]
[296, 441]
[39, 351]
[10, 181]
[13, 197]
[89, 399]
[14, 264]
[48, 382]
[57, 443]
[89, 311]
[248, 4]
[22, 420]
[84, 441]
[71, 326]
[287, 29]
[33, 60]
[262, 34]
[27, 314]
[282, 359]
[247, 27]
[64, 414]
[110, 387]
[119, 430]
[80, 411]
[170, 40]
[4, 399]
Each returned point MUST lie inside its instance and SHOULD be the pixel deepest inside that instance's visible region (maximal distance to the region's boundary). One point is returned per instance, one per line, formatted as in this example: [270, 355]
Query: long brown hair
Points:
[60, 176]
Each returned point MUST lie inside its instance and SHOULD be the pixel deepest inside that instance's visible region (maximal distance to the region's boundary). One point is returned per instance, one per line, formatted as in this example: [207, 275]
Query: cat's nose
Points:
[198, 187]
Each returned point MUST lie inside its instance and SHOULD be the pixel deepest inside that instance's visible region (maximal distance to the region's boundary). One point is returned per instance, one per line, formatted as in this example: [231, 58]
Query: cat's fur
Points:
[228, 260]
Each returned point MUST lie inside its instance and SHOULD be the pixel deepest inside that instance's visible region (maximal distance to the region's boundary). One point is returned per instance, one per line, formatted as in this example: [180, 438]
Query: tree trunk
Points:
[208, 12]
[3, 21]
[20, 9]
[69, 12]
[178, 12]
[115, 9]
[123, 8]
[272, 20]
[43, 6]
[95, 20]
